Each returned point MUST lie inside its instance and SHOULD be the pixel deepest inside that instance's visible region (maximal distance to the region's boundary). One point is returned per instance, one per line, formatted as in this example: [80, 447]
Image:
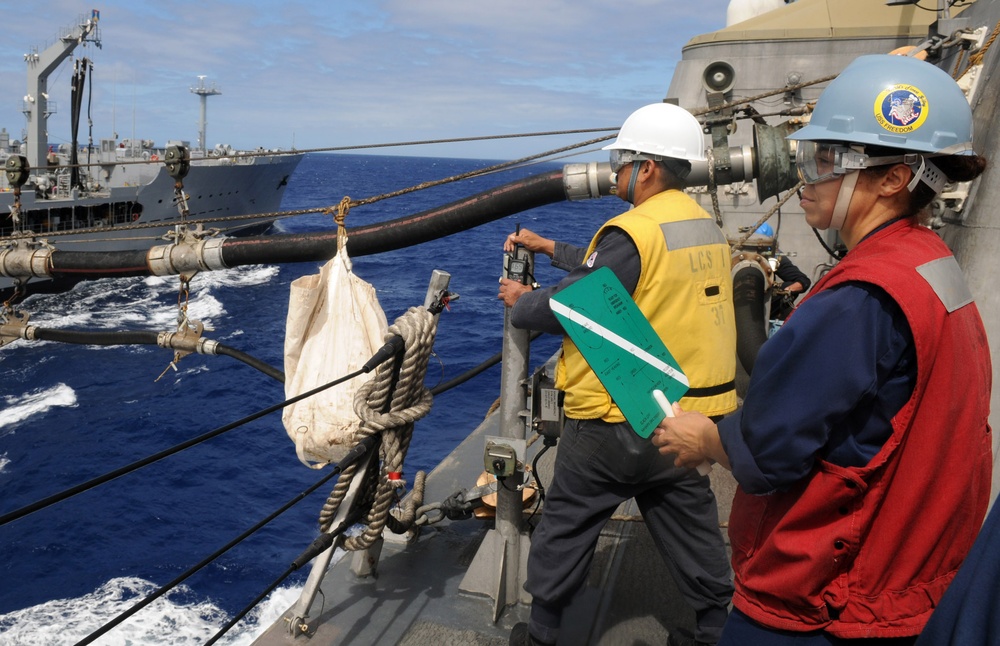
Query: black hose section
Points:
[390, 348]
[98, 264]
[324, 541]
[749, 292]
[472, 372]
[251, 361]
[141, 337]
[90, 484]
[461, 215]
[547, 444]
[333, 533]
[360, 449]
[118, 337]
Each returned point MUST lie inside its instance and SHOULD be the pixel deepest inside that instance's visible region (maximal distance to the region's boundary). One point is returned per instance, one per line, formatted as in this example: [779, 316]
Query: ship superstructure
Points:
[110, 195]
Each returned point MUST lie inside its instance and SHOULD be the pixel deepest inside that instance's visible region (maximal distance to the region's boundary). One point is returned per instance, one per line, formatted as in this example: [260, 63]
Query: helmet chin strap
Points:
[630, 195]
[929, 174]
[843, 201]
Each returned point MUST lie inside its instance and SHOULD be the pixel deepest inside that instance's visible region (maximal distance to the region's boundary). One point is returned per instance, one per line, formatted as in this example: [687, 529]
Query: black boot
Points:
[519, 636]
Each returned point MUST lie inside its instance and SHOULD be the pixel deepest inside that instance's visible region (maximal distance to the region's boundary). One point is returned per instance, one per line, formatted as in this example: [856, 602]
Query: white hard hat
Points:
[662, 129]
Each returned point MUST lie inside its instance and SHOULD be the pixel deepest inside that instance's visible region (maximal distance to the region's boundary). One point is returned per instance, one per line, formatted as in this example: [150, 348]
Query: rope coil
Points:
[398, 390]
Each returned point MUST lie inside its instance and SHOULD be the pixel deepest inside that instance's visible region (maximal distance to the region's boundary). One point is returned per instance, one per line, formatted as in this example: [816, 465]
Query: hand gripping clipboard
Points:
[622, 348]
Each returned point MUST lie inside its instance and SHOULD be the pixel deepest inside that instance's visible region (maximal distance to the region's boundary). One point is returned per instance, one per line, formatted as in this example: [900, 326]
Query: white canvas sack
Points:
[334, 325]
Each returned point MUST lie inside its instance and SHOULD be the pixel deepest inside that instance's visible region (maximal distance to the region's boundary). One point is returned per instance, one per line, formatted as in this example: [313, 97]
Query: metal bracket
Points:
[11, 321]
[500, 459]
[545, 402]
[504, 456]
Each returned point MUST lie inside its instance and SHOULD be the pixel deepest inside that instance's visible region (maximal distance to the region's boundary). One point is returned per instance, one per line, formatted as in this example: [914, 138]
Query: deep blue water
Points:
[72, 413]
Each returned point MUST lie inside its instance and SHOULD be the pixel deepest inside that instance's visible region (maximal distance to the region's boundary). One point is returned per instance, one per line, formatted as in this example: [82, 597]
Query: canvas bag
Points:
[334, 325]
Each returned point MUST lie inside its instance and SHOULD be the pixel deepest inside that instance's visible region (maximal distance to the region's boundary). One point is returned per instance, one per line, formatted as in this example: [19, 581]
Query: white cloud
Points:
[346, 73]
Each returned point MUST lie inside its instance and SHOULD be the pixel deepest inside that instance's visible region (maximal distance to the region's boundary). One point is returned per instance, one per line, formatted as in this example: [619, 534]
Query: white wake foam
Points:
[22, 407]
[173, 619]
[144, 303]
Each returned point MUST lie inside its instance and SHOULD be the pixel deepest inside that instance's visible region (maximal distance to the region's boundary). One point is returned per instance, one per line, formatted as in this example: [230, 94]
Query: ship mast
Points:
[36, 102]
[204, 92]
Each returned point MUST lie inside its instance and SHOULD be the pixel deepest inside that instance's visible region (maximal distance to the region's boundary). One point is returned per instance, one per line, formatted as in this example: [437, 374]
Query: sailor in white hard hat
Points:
[674, 260]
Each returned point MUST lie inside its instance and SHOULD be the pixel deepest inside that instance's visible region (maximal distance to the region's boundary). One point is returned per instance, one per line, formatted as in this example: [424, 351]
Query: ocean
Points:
[71, 413]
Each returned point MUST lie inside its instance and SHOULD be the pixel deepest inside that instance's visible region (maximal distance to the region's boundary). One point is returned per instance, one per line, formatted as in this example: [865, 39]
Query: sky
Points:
[317, 74]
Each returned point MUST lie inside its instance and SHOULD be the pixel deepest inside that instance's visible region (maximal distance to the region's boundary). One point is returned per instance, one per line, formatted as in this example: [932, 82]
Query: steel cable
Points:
[357, 452]
[379, 357]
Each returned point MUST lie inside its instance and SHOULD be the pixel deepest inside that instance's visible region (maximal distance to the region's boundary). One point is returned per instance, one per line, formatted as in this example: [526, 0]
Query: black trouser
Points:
[599, 466]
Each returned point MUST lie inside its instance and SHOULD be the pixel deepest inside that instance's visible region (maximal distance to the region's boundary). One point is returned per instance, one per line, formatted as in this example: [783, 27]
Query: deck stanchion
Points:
[500, 565]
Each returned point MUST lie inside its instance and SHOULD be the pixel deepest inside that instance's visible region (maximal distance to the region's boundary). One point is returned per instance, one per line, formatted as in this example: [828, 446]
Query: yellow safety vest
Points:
[685, 289]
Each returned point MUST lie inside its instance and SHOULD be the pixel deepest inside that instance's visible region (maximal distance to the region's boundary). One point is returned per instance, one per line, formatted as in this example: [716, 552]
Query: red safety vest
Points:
[868, 552]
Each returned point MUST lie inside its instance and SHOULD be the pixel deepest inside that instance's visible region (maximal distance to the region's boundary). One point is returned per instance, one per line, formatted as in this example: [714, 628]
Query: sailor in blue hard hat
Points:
[920, 125]
[863, 449]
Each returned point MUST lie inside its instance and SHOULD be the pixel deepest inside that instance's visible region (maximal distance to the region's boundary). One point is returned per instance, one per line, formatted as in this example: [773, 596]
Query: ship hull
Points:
[123, 218]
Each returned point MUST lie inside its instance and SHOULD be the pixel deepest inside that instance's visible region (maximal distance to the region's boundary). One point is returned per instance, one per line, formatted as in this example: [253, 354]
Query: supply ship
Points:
[117, 194]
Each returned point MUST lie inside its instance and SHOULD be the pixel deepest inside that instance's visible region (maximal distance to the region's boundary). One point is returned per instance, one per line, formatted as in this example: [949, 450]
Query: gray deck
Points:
[415, 599]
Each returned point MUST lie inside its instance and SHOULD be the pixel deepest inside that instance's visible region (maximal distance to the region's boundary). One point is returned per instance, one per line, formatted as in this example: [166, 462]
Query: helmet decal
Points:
[901, 108]
[892, 101]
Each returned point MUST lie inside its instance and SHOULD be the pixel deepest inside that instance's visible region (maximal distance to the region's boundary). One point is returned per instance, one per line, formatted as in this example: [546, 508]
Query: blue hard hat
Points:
[892, 101]
[765, 230]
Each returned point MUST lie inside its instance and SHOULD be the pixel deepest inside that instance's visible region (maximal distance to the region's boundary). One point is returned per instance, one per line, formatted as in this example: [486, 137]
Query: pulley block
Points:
[17, 170]
[178, 161]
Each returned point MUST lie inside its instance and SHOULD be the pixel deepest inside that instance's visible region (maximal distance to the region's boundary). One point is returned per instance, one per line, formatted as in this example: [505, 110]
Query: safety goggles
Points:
[818, 161]
[622, 158]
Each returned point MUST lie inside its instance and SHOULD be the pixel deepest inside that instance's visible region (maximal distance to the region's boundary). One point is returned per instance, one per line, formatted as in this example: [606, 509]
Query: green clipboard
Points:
[621, 346]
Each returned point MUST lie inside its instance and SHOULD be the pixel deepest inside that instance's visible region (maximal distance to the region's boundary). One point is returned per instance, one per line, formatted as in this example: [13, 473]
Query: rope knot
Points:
[339, 217]
[342, 210]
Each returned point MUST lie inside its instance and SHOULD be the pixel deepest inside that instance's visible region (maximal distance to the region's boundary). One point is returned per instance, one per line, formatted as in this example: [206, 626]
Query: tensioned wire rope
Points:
[424, 185]
[383, 353]
[366, 445]
[359, 451]
[325, 209]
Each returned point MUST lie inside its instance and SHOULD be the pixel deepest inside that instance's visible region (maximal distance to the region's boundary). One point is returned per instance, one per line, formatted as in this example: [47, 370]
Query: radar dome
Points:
[740, 10]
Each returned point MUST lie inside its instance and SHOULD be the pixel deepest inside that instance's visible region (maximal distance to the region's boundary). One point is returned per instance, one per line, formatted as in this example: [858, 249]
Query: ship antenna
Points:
[204, 92]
